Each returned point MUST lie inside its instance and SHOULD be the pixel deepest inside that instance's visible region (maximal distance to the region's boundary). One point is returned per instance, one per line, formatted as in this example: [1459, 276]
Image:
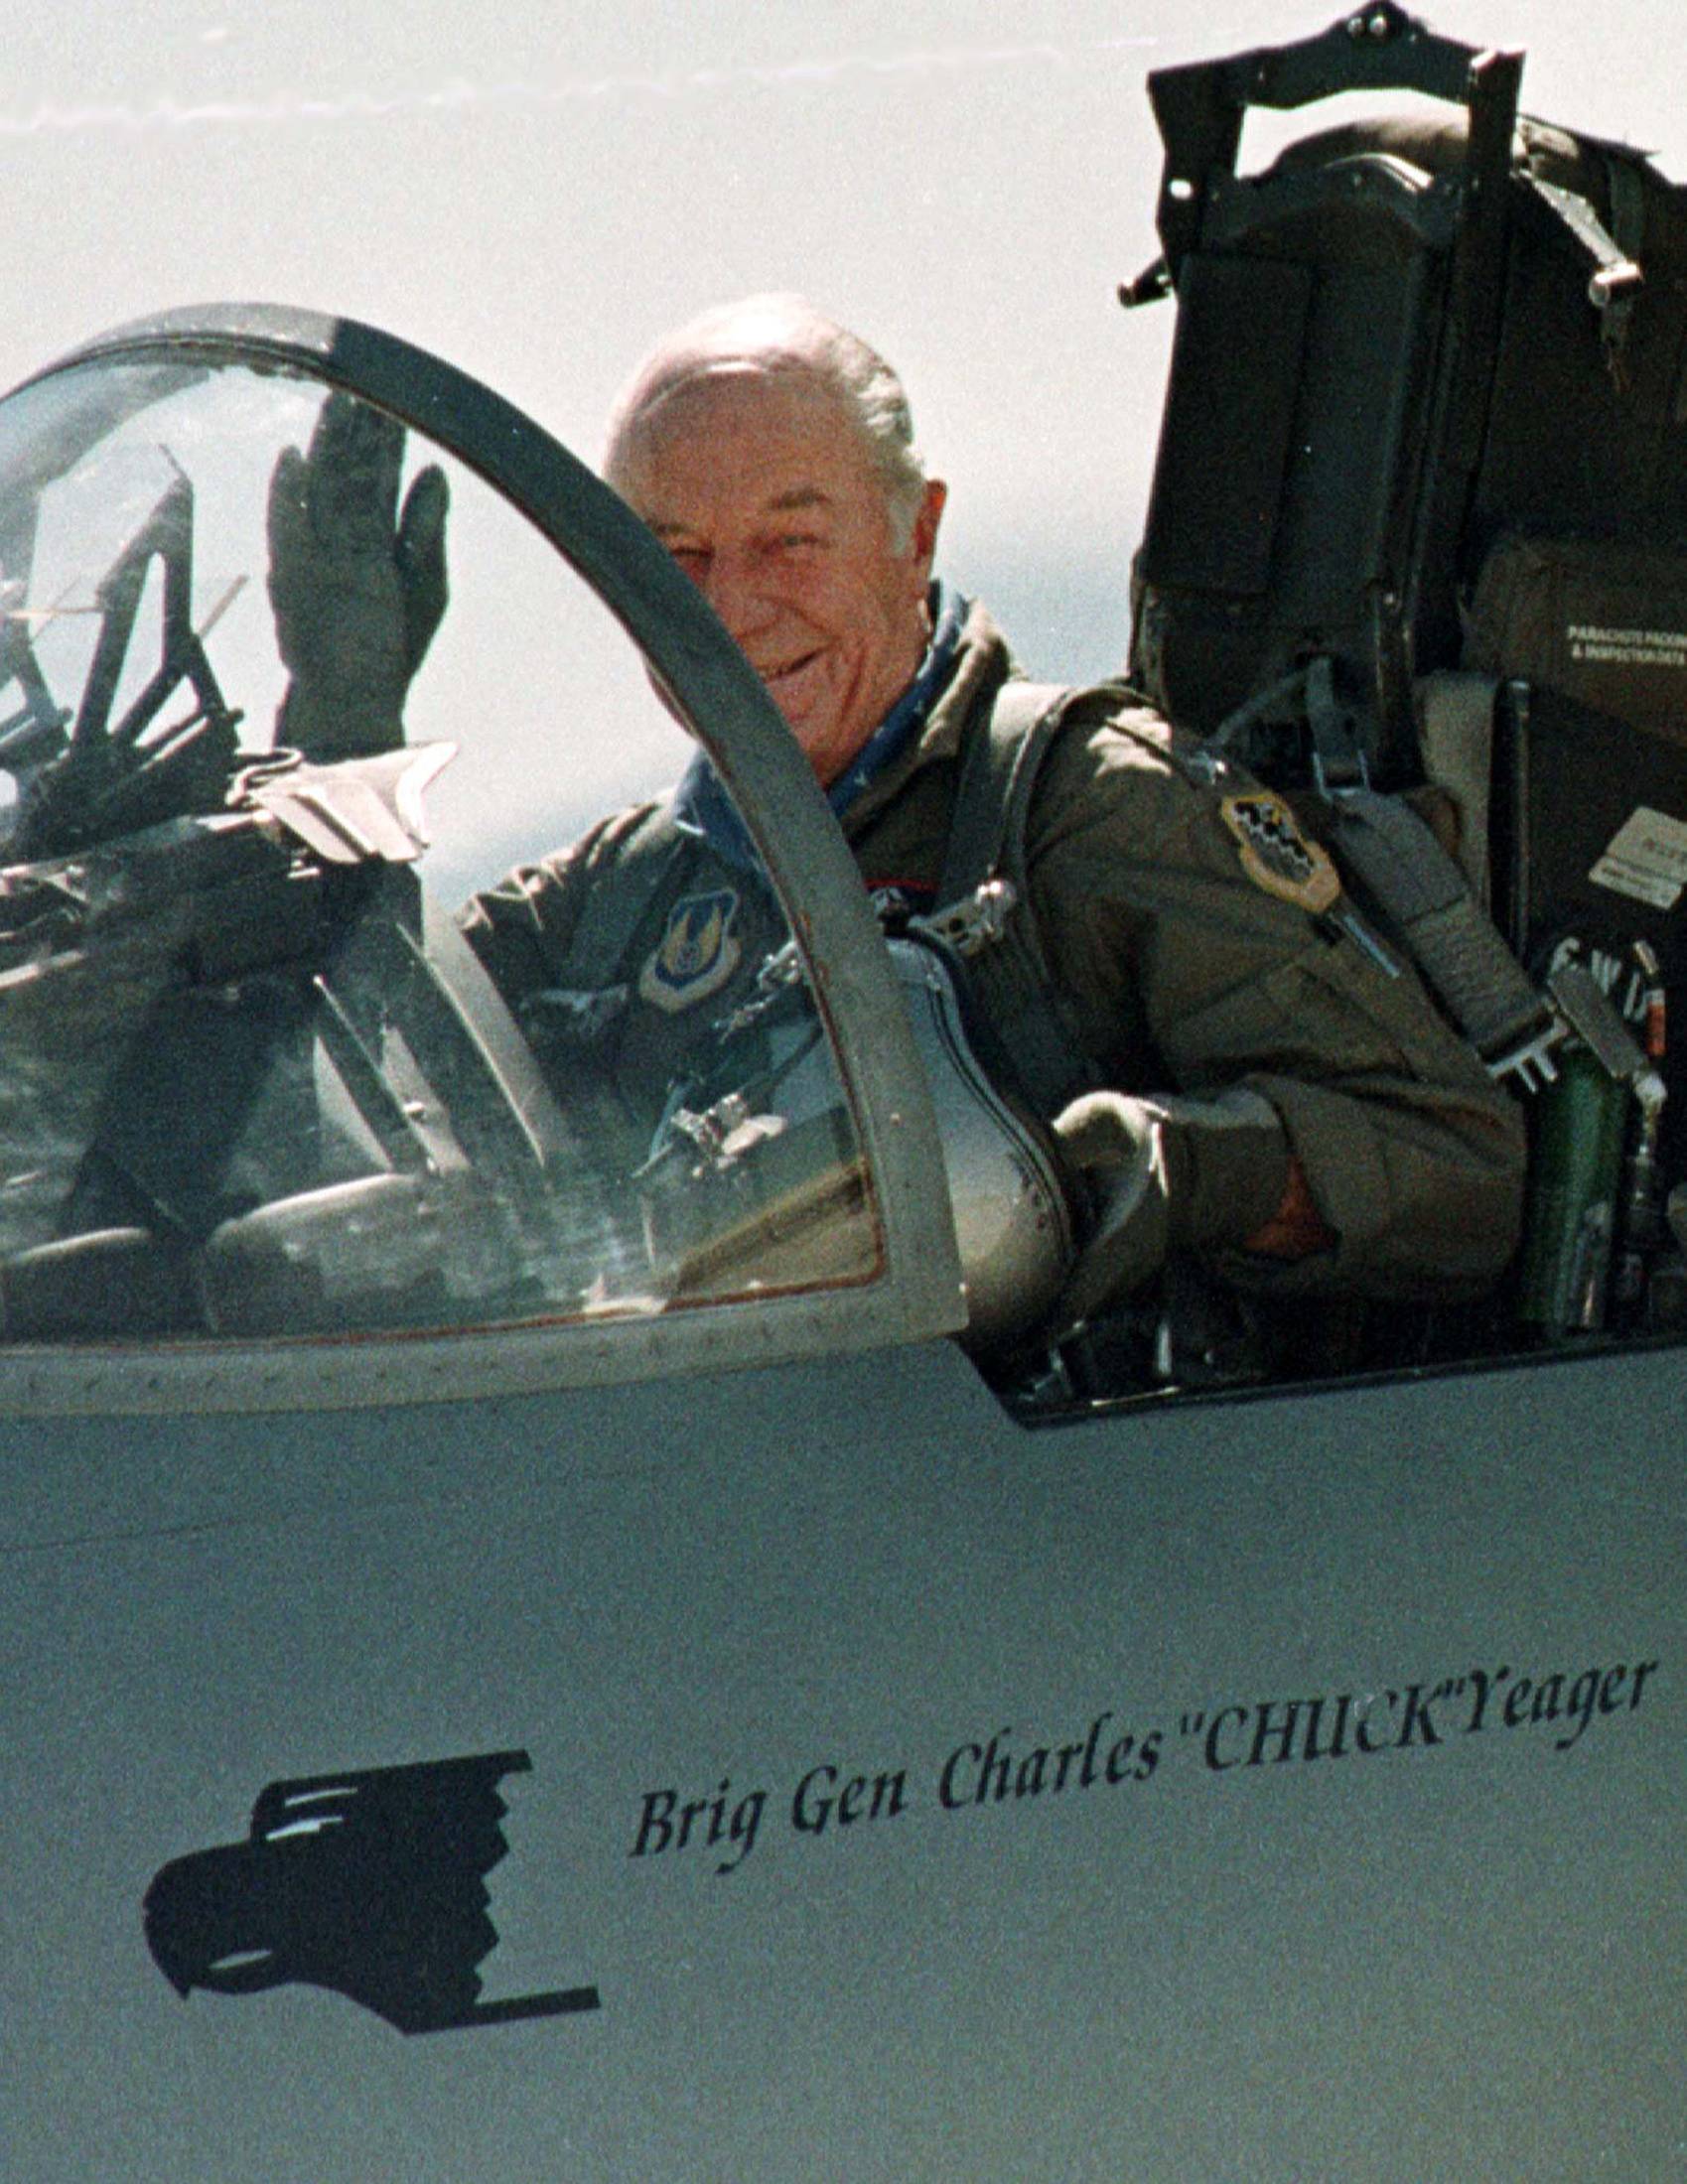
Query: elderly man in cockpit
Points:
[1244, 1077]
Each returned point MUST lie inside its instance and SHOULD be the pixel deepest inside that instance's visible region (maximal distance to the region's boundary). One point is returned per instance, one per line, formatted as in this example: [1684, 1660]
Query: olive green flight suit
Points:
[1198, 943]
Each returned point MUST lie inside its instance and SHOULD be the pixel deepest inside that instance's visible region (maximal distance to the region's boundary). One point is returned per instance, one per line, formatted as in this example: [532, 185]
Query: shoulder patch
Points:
[697, 953]
[1276, 855]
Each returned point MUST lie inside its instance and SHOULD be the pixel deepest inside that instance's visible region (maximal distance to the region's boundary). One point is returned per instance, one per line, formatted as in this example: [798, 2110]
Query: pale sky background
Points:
[536, 190]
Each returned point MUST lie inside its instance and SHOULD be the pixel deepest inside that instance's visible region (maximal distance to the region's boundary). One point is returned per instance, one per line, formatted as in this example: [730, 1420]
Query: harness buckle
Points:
[976, 922]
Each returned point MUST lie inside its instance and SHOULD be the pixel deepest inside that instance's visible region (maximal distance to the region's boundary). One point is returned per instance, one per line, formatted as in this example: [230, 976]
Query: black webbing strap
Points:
[1005, 962]
[998, 773]
[1404, 876]
[1381, 842]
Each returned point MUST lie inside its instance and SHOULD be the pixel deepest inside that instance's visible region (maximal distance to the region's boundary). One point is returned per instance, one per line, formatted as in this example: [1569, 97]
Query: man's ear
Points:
[922, 544]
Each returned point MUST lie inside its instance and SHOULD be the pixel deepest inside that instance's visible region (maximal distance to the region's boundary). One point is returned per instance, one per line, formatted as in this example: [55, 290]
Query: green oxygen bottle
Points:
[1575, 1171]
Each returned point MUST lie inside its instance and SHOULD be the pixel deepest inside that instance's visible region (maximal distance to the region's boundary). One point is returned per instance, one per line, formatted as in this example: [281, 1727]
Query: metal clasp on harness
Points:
[977, 921]
[1531, 1064]
[778, 974]
[1579, 1005]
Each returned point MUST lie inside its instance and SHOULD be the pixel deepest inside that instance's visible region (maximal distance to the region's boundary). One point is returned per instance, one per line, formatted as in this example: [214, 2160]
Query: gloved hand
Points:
[358, 588]
[1166, 1173]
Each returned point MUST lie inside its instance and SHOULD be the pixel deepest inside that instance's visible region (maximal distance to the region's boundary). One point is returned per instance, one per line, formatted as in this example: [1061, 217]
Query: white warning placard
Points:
[1645, 858]
[1604, 648]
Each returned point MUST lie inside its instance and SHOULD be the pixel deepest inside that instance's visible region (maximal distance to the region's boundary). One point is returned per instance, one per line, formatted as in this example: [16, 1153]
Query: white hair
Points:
[787, 333]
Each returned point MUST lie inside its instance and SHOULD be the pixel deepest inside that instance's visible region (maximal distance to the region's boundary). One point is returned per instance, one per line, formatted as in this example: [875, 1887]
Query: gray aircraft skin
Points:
[622, 1694]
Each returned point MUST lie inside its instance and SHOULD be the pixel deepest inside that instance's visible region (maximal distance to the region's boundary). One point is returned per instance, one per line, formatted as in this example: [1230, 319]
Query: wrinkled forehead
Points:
[737, 425]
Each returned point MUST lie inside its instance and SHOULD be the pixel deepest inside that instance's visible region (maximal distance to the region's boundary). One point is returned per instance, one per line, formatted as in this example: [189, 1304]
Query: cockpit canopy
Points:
[254, 1084]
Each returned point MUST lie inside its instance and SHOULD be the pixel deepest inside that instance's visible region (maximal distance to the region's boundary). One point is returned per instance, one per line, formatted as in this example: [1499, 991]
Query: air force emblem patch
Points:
[697, 953]
[1276, 855]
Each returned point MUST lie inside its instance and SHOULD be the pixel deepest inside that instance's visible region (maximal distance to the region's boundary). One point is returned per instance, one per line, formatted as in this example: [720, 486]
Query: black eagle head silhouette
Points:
[370, 1884]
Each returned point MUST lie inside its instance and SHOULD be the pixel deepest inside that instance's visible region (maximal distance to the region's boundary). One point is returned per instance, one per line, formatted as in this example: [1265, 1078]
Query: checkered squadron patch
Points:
[697, 953]
[1276, 855]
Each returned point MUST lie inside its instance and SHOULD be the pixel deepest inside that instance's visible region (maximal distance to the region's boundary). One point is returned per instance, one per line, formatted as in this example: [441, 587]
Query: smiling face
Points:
[759, 482]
